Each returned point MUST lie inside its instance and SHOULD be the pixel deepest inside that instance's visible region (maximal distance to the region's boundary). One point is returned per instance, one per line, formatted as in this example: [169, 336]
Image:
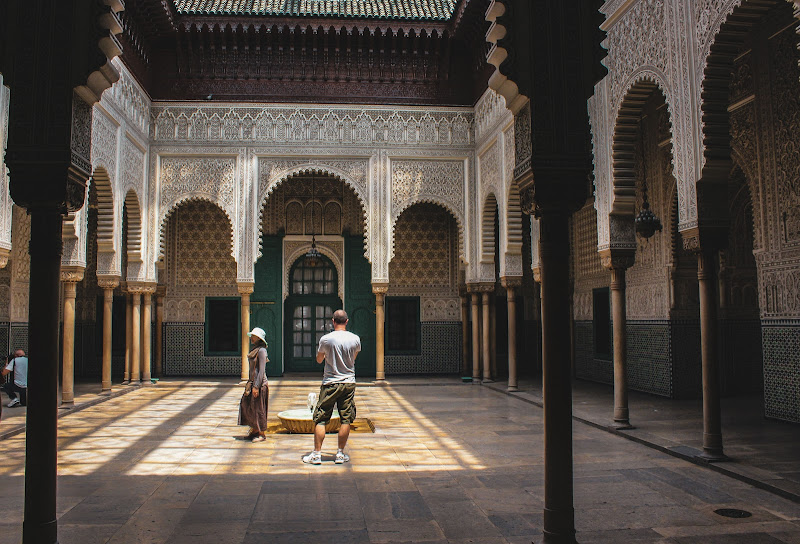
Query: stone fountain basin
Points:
[299, 421]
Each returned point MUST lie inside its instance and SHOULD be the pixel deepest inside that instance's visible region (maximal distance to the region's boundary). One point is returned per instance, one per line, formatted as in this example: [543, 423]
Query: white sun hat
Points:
[259, 333]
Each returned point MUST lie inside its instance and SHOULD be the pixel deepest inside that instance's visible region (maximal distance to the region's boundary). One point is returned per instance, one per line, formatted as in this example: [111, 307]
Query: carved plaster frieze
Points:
[490, 115]
[334, 125]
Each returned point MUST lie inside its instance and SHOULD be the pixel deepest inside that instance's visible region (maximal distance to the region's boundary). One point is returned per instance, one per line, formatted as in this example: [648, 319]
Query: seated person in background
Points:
[18, 364]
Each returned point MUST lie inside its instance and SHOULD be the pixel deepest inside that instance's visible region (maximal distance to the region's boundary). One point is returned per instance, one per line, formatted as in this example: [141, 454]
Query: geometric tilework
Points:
[441, 352]
[663, 357]
[19, 336]
[184, 353]
[649, 365]
[781, 343]
[586, 366]
[5, 328]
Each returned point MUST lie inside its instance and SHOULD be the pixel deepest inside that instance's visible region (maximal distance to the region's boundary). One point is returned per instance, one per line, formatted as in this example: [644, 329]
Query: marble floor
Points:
[448, 463]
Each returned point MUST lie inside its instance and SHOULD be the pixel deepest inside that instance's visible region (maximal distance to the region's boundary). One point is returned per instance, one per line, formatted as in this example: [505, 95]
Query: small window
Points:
[402, 325]
[223, 326]
[601, 315]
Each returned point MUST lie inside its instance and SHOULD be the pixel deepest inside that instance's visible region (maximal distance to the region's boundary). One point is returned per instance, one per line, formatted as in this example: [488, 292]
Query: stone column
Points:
[511, 284]
[559, 514]
[476, 337]
[618, 262]
[465, 339]
[712, 422]
[147, 332]
[107, 285]
[486, 341]
[70, 276]
[380, 291]
[136, 340]
[128, 335]
[245, 290]
[161, 290]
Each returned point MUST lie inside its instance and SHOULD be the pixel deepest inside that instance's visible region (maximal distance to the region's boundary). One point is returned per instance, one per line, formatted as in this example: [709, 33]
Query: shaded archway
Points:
[423, 308]
[202, 318]
[310, 205]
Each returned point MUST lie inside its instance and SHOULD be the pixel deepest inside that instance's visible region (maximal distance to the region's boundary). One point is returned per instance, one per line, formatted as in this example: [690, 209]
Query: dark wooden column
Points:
[55, 58]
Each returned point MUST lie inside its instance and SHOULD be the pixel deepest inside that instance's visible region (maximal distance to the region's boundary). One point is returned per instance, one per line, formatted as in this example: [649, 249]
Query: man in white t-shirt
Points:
[339, 350]
[19, 380]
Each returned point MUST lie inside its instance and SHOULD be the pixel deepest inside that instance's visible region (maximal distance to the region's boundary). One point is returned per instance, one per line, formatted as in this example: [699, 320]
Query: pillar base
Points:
[713, 456]
[622, 426]
[488, 380]
[512, 389]
[67, 405]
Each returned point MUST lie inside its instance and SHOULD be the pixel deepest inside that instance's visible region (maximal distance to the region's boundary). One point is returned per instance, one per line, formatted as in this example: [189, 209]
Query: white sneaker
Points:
[313, 458]
[341, 457]
[14, 402]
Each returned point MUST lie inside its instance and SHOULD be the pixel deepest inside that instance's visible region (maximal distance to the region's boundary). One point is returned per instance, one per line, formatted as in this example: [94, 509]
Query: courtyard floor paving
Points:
[448, 463]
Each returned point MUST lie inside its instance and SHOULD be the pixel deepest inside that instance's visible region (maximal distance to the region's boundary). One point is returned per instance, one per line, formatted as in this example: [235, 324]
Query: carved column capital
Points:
[514, 282]
[108, 282]
[141, 288]
[245, 288]
[617, 259]
[380, 288]
[72, 274]
[537, 274]
[161, 291]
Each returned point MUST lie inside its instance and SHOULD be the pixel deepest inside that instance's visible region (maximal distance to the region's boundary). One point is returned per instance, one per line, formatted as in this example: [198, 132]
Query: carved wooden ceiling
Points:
[405, 56]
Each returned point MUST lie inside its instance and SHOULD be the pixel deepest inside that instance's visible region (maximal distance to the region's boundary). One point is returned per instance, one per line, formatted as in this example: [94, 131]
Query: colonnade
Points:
[484, 363]
[139, 368]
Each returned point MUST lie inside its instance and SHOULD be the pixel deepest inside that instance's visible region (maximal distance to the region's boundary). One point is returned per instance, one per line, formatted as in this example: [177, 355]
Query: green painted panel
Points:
[359, 302]
[266, 301]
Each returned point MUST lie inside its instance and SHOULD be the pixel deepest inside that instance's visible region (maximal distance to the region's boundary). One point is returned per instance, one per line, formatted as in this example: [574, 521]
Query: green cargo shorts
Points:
[341, 395]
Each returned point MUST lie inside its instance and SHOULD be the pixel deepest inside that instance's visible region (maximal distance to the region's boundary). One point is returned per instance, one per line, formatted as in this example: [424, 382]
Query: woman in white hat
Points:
[253, 408]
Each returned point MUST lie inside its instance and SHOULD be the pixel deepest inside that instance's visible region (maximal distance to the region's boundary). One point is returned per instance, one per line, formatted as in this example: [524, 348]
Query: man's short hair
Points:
[19, 353]
[340, 317]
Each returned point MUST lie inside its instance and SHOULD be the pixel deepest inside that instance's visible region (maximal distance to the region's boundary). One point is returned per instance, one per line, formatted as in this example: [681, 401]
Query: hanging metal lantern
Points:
[647, 224]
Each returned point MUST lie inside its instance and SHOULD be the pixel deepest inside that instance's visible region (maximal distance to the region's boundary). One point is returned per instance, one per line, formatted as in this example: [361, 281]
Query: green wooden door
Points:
[308, 318]
[309, 310]
[266, 300]
[359, 302]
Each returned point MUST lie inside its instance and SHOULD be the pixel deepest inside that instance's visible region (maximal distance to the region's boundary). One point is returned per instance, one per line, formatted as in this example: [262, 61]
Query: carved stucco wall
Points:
[588, 273]
[5, 197]
[674, 57]
[494, 127]
[120, 147]
[425, 262]
[198, 261]
[20, 264]
[354, 144]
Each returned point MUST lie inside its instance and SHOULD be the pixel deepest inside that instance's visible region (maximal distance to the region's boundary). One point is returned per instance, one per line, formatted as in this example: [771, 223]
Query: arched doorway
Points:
[309, 308]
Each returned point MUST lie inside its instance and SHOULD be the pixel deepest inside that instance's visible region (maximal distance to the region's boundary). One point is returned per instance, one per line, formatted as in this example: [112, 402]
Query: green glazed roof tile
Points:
[436, 10]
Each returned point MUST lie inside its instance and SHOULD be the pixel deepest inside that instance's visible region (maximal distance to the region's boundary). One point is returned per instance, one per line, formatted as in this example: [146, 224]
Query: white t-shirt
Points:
[340, 349]
[19, 367]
